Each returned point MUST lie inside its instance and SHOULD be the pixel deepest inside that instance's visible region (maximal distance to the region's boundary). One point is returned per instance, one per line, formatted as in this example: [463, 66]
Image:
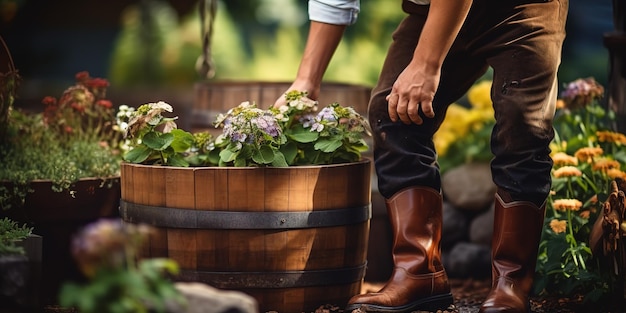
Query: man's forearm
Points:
[445, 19]
[321, 44]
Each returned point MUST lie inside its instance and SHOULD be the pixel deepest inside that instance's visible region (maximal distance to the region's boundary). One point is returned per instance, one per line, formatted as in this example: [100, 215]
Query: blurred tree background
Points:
[157, 42]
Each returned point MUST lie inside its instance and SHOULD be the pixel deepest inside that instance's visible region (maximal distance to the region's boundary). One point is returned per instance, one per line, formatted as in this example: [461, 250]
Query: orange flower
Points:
[616, 173]
[587, 154]
[605, 164]
[609, 136]
[558, 226]
[562, 158]
[567, 204]
[584, 214]
[567, 171]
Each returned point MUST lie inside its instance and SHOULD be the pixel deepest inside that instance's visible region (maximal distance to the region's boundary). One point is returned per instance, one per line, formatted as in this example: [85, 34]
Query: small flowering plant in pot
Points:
[588, 156]
[294, 134]
[73, 137]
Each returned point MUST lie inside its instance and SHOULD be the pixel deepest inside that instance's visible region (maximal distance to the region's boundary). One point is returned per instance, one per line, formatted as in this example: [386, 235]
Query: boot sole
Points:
[433, 303]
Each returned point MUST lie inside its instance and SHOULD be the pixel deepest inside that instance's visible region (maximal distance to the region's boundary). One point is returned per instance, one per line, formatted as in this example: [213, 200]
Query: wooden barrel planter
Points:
[214, 97]
[294, 238]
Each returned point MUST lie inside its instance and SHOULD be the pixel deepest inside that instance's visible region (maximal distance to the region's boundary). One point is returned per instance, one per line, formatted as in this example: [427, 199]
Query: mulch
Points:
[469, 295]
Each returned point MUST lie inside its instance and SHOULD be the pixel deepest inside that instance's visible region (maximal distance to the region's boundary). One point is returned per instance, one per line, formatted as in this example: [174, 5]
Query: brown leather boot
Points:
[418, 281]
[516, 236]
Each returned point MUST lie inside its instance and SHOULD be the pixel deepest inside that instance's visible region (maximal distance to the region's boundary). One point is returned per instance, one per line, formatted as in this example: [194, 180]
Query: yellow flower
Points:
[443, 139]
[562, 158]
[567, 204]
[453, 127]
[587, 154]
[479, 95]
[605, 164]
[558, 226]
[567, 171]
[558, 147]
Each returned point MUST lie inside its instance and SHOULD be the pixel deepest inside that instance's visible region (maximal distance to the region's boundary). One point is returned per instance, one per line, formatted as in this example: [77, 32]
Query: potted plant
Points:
[18, 273]
[60, 170]
[277, 205]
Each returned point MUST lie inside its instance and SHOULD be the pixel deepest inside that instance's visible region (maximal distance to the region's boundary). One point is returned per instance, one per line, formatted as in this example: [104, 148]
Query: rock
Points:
[455, 226]
[481, 227]
[202, 298]
[468, 260]
[469, 186]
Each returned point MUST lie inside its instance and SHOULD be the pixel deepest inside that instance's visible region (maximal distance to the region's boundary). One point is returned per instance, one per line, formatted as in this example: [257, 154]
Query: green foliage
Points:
[106, 252]
[150, 144]
[75, 137]
[10, 234]
[290, 135]
[587, 157]
[162, 49]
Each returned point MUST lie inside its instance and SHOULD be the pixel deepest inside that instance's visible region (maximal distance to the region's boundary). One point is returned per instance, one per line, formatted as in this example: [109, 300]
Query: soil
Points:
[468, 296]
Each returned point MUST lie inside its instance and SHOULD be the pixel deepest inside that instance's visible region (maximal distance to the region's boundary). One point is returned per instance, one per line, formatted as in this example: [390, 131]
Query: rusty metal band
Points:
[198, 219]
[280, 279]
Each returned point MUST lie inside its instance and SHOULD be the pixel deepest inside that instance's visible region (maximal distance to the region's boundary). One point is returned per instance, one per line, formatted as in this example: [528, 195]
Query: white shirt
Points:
[339, 12]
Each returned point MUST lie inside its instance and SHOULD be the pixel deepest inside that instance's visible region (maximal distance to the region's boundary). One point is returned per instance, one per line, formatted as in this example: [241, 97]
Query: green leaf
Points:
[138, 154]
[304, 135]
[265, 155]
[279, 160]
[182, 140]
[157, 141]
[214, 156]
[328, 145]
[289, 151]
[227, 155]
[177, 160]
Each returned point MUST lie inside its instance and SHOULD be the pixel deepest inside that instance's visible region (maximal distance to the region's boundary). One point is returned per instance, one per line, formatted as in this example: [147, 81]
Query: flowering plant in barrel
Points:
[587, 157]
[74, 136]
[290, 135]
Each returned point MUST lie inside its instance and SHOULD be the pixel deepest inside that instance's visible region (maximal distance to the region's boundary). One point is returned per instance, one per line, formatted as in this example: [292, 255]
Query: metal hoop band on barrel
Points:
[282, 279]
[188, 218]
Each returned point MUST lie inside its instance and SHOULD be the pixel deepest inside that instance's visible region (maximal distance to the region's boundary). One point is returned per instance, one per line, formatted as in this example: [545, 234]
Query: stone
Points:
[481, 227]
[202, 298]
[469, 186]
[468, 260]
[455, 226]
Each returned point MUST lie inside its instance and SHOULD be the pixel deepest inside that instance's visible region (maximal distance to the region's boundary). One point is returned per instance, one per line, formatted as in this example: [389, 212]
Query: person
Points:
[439, 50]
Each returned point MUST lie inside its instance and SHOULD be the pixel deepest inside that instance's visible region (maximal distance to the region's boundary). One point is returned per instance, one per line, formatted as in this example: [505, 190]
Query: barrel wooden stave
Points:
[294, 189]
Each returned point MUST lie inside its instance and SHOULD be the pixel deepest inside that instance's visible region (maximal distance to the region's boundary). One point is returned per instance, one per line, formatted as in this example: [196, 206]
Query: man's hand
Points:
[416, 86]
[312, 92]
[414, 89]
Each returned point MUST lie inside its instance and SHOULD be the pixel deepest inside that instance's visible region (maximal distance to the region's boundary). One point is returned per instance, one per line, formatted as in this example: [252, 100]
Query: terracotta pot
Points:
[57, 216]
[294, 238]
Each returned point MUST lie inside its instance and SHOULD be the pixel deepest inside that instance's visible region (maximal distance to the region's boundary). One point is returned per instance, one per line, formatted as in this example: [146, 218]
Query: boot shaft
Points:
[416, 221]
